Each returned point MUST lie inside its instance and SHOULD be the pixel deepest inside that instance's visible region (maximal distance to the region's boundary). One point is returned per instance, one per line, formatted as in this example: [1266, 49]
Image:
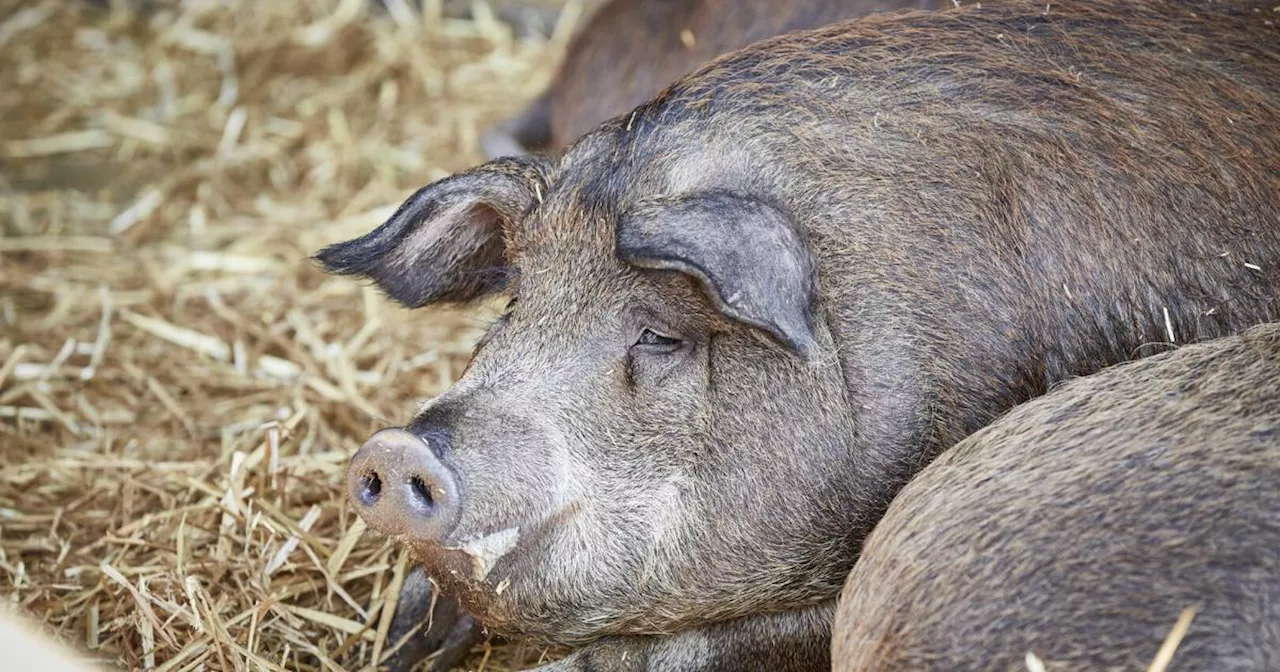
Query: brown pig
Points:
[746, 313]
[1079, 526]
[629, 50]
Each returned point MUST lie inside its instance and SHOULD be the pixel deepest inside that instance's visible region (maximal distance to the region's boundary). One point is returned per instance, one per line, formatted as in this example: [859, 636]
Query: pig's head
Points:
[652, 433]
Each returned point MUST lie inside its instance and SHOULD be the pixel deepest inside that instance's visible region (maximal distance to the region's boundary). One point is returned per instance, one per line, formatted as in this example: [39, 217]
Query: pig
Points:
[628, 50]
[745, 313]
[1079, 526]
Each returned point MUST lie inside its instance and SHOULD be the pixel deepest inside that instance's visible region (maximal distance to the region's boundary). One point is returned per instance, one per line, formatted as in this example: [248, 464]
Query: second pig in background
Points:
[629, 50]
[1080, 526]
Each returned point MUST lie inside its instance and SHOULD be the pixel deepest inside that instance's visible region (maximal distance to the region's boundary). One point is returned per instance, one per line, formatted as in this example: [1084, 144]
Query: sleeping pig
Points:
[628, 50]
[745, 313]
[1078, 527]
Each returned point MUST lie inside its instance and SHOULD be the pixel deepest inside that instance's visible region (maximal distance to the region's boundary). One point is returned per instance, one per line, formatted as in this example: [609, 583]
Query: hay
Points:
[179, 387]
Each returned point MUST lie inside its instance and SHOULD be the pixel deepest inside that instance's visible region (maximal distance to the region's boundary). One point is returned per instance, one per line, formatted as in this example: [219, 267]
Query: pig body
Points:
[746, 313]
[629, 50]
[1080, 525]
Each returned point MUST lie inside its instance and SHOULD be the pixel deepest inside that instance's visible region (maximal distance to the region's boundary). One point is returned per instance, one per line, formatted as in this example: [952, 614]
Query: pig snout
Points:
[401, 487]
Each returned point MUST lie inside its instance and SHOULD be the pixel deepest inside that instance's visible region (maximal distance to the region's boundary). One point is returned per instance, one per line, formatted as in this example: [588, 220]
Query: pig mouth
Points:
[464, 570]
[465, 565]
[476, 557]
[486, 550]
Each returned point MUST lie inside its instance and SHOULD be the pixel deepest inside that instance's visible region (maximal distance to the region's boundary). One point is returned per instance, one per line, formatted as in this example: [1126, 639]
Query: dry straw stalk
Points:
[179, 387]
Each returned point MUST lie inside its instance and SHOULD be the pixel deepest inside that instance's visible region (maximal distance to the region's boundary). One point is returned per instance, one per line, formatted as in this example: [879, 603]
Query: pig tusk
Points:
[486, 551]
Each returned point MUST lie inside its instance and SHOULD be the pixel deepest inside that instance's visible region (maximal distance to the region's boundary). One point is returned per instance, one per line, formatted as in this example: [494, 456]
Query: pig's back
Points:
[1079, 526]
[630, 50]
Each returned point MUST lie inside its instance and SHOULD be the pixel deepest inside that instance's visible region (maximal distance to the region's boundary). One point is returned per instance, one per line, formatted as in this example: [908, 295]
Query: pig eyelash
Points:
[649, 337]
[654, 342]
[650, 343]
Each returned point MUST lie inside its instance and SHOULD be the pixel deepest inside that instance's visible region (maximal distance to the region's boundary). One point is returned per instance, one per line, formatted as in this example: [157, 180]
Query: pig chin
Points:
[489, 572]
[465, 572]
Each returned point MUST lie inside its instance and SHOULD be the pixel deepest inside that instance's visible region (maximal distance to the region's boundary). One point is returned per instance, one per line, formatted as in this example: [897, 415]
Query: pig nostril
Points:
[370, 489]
[400, 487]
[422, 491]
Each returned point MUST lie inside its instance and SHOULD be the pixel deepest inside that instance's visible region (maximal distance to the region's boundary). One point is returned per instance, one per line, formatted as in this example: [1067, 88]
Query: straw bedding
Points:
[180, 387]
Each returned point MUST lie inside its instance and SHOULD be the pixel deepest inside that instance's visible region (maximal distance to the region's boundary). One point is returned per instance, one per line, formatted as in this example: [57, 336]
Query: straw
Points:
[180, 387]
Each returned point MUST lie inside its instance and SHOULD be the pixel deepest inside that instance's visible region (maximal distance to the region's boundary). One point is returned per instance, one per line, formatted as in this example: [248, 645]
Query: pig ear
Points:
[748, 256]
[445, 243]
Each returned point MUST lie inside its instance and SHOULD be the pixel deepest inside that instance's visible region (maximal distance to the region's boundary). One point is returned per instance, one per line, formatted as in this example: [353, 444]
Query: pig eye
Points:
[653, 341]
